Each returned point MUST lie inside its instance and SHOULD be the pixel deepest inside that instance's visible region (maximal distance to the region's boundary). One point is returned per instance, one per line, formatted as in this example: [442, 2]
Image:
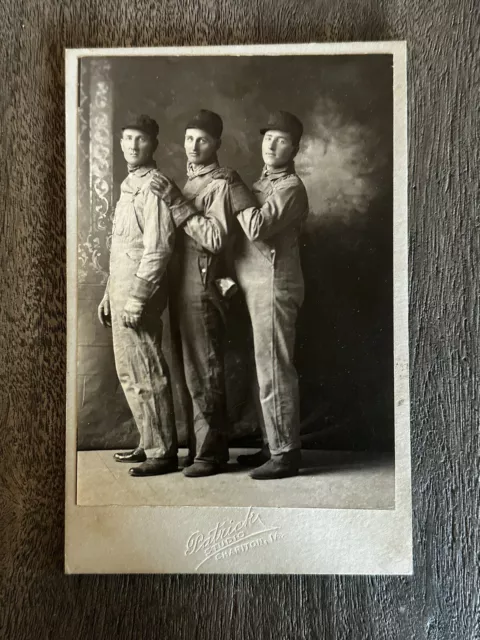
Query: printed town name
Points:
[230, 538]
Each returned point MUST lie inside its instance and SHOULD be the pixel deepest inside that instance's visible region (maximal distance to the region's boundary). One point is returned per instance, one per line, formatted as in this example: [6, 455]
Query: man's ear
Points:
[219, 143]
[154, 145]
[121, 142]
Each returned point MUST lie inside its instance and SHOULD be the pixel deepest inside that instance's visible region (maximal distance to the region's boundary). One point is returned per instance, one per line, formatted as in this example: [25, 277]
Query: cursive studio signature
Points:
[230, 538]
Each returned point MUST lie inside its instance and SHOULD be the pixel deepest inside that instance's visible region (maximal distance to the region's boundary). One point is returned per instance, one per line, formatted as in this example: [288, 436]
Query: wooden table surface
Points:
[441, 600]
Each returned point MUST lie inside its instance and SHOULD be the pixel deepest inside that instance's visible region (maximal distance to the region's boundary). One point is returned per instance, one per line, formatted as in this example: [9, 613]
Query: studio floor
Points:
[329, 480]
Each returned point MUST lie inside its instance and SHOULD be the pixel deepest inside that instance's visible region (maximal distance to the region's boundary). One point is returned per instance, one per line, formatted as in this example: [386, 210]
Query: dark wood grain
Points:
[441, 600]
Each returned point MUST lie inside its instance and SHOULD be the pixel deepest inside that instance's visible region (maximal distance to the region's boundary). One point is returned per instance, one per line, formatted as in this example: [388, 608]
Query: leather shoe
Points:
[137, 455]
[186, 461]
[155, 467]
[254, 459]
[201, 468]
[284, 465]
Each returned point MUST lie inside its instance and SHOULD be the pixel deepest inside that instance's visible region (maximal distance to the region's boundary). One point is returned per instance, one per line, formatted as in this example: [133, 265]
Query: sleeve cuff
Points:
[182, 212]
[142, 290]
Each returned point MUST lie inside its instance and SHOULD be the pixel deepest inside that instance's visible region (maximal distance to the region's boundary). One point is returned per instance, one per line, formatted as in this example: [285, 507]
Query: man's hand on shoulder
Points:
[165, 188]
[241, 197]
[226, 173]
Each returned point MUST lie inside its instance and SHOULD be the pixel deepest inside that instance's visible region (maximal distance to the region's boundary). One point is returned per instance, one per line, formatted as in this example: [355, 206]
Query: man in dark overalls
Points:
[216, 193]
[143, 238]
[268, 269]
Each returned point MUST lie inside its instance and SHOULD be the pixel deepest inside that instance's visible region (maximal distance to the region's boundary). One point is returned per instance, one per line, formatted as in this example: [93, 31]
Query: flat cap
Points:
[142, 123]
[206, 121]
[284, 121]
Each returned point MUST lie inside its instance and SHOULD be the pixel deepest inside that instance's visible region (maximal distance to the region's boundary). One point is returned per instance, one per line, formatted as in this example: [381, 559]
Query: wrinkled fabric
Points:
[143, 237]
[268, 270]
[197, 308]
[221, 193]
[145, 223]
[197, 317]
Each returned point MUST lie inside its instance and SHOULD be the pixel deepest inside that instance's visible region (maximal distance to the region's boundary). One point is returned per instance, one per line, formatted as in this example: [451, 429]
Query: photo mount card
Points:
[347, 509]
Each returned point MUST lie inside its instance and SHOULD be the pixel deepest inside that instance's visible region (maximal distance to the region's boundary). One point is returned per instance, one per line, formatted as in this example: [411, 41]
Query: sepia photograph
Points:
[237, 325]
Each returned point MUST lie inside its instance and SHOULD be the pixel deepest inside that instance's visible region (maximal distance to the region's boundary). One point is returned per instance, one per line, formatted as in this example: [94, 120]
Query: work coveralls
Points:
[197, 306]
[268, 270]
[143, 239]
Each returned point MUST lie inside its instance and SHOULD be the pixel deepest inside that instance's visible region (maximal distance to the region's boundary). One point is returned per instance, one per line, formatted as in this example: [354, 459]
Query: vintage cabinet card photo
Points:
[237, 393]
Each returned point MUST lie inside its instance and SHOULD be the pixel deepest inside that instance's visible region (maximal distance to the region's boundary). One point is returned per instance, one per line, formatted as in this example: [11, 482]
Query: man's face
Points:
[137, 147]
[278, 148]
[200, 146]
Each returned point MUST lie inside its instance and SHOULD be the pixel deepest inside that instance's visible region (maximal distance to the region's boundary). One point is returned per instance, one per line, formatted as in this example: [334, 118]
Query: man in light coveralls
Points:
[143, 237]
[268, 269]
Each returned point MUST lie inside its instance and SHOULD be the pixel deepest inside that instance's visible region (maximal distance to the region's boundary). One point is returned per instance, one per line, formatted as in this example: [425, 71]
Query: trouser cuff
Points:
[284, 449]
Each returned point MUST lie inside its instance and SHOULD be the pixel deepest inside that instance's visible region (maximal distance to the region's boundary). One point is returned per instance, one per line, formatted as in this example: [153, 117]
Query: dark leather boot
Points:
[186, 461]
[137, 455]
[255, 459]
[201, 468]
[284, 465]
[155, 467]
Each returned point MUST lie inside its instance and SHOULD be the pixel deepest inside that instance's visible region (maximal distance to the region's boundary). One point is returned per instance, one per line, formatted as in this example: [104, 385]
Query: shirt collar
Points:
[141, 171]
[278, 172]
[194, 170]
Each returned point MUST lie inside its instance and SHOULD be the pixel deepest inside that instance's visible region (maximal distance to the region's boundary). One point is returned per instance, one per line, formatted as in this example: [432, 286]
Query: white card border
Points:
[147, 539]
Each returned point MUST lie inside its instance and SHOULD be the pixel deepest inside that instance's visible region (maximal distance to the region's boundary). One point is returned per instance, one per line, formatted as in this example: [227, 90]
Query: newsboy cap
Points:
[284, 121]
[142, 123]
[206, 121]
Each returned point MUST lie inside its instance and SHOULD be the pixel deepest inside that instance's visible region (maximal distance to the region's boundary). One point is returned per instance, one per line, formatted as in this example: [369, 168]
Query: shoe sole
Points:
[201, 475]
[280, 477]
[154, 473]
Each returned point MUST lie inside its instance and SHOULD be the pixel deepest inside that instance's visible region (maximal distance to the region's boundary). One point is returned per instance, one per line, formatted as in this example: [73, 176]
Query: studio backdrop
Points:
[345, 329]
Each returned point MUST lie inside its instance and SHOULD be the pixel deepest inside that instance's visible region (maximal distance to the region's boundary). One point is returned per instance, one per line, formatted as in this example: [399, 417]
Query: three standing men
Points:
[268, 270]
